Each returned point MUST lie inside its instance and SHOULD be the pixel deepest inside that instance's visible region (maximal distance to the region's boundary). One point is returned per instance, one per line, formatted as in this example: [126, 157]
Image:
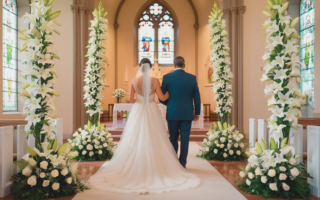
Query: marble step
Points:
[193, 138]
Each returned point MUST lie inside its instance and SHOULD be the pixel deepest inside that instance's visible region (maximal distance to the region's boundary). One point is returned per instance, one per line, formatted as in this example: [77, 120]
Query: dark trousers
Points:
[183, 128]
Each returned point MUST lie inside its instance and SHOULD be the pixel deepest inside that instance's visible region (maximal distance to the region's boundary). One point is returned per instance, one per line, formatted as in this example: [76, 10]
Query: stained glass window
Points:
[307, 46]
[156, 35]
[10, 55]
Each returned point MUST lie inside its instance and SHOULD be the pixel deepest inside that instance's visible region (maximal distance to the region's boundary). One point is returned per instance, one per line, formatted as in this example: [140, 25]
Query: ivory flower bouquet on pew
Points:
[94, 143]
[273, 172]
[223, 142]
[46, 172]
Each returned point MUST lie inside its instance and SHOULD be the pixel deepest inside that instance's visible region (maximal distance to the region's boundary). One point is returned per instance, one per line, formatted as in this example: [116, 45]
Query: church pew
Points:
[313, 161]
[6, 155]
[296, 140]
[252, 132]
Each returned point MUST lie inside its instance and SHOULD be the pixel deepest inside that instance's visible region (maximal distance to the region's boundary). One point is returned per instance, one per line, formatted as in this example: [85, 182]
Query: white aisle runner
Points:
[213, 185]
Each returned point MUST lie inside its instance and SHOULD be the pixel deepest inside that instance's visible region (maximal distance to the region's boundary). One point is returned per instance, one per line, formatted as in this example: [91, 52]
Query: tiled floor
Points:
[229, 170]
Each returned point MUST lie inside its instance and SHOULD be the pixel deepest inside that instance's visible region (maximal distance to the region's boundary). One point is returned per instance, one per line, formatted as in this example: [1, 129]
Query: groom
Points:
[183, 91]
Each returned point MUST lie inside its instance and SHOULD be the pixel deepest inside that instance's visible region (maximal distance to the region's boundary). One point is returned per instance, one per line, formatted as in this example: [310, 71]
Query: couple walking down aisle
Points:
[145, 161]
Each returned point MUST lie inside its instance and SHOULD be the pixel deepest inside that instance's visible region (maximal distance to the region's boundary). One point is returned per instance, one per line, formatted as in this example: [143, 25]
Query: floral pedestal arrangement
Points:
[46, 173]
[274, 173]
[223, 144]
[119, 94]
[92, 144]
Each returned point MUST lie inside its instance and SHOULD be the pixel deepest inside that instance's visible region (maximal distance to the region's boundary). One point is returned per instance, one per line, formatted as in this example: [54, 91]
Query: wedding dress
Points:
[144, 161]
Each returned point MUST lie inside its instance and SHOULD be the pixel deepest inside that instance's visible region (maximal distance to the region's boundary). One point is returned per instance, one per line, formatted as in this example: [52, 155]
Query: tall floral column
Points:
[94, 142]
[47, 168]
[222, 143]
[274, 172]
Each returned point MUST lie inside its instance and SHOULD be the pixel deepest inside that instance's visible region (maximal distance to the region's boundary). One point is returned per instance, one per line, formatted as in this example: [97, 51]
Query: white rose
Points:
[44, 165]
[84, 152]
[73, 144]
[225, 149]
[42, 175]
[89, 140]
[215, 151]
[216, 142]
[65, 171]
[241, 145]
[229, 136]
[282, 177]
[273, 186]
[242, 174]
[54, 173]
[236, 145]
[105, 145]
[258, 171]
[285, 187]
[248, 182]
[69, 180]
[89, 147]
[45, 183]
[206, 149]
[231, 152]
[238, 152]
[97, 142]
[100, 146]
[32, 180]
[84, 142]
[230, 141]
[27, 171]
[250, 175]
[229, 146]
[292, 161]
[32, 162]
[225, 155]
[264, 179]
[103, 139]
[218, 145]
[100, 152]
[110, 139]
[91, 153]
[55, 186]
[96, 146]
[222, 139]
[283, 169]
[272, 173]
[80, 147]
[221, 146]
[294, 172]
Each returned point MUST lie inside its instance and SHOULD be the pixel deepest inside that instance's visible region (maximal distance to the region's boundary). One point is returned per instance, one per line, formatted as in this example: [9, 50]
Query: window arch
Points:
[307, 46]
[156, 34]
[10, 55]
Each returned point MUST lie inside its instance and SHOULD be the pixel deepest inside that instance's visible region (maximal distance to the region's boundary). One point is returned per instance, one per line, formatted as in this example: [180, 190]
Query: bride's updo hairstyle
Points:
[144, 61]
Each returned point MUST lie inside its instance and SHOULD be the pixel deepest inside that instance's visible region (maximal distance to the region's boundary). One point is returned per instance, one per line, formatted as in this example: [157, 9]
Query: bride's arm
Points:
[161, 96]
[132, 91]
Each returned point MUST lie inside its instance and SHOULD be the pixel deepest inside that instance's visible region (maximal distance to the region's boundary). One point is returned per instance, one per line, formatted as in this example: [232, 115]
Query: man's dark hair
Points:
[179, 61]
[144, 61]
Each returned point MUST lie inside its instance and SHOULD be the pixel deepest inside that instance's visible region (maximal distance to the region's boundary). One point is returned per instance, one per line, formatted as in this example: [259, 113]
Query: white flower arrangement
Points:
[39, 71]
[274, 172]
[223, 143]
[47, 168]
[44, 172]
[222, 75]
[119, 93]
[94, 70]
[282, 59]
[92, 144]
[307, 96]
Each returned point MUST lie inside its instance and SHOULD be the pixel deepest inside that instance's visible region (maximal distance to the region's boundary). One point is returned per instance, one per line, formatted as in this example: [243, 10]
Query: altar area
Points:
[163, 109]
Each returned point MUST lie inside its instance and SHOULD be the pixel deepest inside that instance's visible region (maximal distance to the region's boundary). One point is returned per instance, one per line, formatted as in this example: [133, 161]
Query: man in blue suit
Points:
[184, 93]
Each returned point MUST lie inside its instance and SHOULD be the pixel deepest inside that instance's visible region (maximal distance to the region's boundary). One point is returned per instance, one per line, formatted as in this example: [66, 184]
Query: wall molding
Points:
[196, 28]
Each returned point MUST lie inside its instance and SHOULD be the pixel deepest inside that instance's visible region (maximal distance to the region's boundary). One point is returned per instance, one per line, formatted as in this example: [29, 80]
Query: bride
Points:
[145, 161]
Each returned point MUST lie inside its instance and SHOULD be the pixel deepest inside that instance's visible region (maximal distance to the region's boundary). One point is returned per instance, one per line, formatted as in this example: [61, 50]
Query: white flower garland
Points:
[222, 75]
[282, 59]
[94, 71]
[39, 71]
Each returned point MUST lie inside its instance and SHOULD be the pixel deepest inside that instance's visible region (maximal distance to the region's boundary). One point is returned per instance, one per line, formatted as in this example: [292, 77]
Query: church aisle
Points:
[213, 185]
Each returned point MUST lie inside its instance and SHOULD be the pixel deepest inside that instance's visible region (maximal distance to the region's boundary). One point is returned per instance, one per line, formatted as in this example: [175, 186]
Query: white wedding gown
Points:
[144, 161]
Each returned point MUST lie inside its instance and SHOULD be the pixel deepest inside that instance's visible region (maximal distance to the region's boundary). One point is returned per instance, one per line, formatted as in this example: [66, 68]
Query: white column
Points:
[6, 159]
[21, 143]
[262, 131]
[313, 162]
[31, 141]
[252, 132]
[296, 140]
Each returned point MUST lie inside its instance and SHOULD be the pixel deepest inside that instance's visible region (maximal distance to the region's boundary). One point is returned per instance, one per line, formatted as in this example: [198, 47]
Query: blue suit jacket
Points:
[183, 92]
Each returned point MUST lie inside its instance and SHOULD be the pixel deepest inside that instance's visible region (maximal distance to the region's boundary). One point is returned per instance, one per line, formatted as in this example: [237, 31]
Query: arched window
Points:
[9, 56]
[307, 46]
[156, 35]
